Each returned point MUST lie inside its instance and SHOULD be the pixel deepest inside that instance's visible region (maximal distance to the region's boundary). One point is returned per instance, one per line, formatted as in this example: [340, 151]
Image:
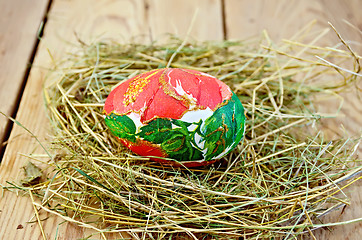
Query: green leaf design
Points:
[180, 123]
[179, 147]
[156, 131]
[121, 126]
[173, 137]
[174, 143]
[215, 134]
[239, 119]
[224, 128]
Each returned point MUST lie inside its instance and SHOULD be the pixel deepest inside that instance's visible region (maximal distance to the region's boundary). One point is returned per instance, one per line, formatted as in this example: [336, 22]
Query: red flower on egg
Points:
[173, 92]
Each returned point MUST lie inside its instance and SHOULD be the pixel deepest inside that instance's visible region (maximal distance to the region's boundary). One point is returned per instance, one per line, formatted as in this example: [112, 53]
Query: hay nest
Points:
[278, 182]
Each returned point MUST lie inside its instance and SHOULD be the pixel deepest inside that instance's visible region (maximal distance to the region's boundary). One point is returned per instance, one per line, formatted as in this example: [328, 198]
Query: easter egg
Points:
[176, 116]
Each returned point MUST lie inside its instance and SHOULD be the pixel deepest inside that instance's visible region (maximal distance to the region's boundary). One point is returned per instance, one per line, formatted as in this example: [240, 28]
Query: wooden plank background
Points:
[19, 24]
[148, 20]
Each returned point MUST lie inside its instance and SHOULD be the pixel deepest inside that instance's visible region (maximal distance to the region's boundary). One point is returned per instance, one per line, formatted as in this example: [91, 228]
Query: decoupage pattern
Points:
[179, 114]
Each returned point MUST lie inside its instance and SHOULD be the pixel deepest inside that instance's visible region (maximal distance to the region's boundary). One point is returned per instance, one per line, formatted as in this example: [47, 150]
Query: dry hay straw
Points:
[278, 182]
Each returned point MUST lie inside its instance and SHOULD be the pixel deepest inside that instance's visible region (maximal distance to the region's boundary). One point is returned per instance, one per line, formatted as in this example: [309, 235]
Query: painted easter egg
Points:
[176, 116]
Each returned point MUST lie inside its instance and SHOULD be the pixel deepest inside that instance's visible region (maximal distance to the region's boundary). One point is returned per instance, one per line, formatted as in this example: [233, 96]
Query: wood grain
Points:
[19, 24]
[68, 21]
[175, 17]
[143, 20]
[282, 19]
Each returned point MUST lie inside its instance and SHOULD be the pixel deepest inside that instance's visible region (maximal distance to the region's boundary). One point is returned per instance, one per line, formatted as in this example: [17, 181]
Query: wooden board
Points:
[89, 19]
[176, 17]
[19, 25]
[282, 19]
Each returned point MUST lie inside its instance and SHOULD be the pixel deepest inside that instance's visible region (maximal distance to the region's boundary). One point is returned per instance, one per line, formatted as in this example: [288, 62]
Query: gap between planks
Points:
[12, 114]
